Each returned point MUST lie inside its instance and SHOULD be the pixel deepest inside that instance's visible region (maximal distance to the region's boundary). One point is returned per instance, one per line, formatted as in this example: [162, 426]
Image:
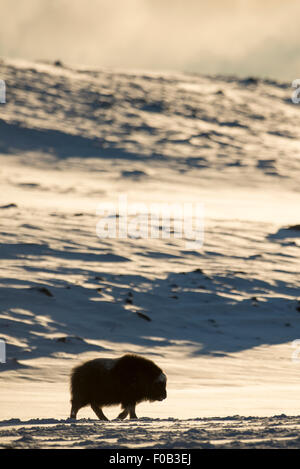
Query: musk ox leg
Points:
[74, 409]
[98, 412]
[132, 414]
[128, 410]
[123, 414]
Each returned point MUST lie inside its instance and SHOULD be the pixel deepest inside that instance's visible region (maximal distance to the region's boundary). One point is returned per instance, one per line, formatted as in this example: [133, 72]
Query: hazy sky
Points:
[248, 37]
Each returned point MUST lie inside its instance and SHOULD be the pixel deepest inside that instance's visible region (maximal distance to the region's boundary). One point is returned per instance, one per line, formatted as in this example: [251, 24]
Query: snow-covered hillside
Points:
[221, 320]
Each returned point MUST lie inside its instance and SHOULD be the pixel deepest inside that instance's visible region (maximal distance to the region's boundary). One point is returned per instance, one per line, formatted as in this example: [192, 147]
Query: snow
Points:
[220, 320]
[237, 432]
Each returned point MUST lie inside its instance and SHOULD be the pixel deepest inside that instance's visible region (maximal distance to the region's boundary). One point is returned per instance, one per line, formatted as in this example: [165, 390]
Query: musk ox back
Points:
[108, 381]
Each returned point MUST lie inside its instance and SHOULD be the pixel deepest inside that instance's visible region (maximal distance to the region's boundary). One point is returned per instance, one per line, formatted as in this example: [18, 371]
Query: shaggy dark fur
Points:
[127, 381]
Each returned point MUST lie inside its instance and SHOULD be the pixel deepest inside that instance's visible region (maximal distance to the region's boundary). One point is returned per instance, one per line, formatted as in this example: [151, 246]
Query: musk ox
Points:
[109, 381]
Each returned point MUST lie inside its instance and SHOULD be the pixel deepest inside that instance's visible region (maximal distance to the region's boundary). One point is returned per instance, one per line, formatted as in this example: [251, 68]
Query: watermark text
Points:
[152, 221]
[296, 93]
[2, 92]
[2, 351]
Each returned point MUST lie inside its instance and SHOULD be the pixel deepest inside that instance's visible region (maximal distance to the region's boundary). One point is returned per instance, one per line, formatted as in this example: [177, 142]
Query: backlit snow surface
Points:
[220, 320]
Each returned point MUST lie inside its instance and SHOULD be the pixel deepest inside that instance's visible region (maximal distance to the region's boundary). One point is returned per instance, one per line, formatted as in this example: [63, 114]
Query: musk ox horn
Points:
[162, 378]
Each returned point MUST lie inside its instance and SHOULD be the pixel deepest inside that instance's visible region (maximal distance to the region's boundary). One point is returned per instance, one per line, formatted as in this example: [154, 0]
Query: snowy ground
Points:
[212, 433]
[220, 320]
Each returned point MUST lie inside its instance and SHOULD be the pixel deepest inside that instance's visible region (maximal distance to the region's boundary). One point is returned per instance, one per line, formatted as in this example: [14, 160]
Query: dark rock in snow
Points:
[143, 316]
[43, 290]
[198, 271]
[69, 339]
[8, 206]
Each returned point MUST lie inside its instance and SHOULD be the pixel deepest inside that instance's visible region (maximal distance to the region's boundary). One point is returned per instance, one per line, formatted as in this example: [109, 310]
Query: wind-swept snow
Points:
[220, 320]
[279, 431]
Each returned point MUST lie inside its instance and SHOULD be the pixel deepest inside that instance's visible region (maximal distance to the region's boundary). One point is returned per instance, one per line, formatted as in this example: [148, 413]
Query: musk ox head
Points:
[140, 378]
[158, 388]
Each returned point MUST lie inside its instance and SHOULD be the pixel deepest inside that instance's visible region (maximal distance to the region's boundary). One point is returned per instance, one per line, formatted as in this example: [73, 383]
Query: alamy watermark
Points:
[296, 93]
[296, 353]
[2, 92]
[153, 221]
[2, 351]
